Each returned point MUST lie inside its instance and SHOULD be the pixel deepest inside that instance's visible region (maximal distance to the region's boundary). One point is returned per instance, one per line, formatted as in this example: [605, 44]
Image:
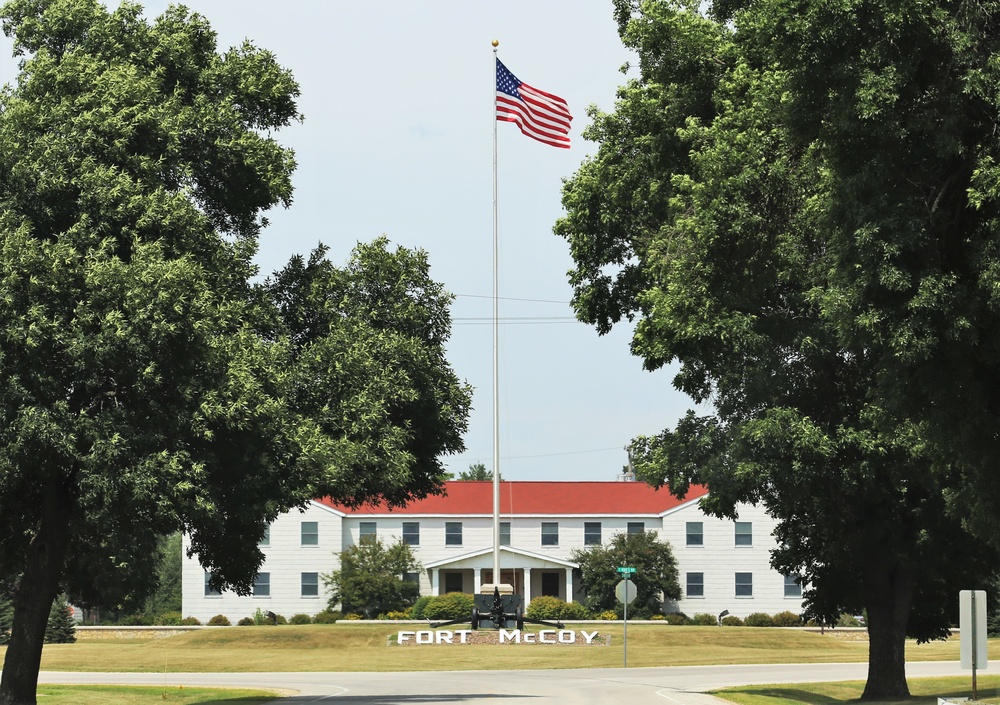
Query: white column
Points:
[569, 585]
[435, 581]
[527, 587]
[477, 581]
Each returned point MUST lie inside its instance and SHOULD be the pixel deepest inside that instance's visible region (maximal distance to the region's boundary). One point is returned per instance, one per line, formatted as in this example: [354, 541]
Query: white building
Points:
[723, 565]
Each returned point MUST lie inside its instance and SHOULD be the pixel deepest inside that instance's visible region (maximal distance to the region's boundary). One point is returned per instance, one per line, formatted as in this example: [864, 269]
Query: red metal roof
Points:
[535, 498]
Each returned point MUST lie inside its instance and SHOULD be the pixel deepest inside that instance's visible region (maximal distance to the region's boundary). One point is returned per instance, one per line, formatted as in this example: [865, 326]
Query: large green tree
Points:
[372, 578]
[147, 385]
[768, 199]
[655, 577]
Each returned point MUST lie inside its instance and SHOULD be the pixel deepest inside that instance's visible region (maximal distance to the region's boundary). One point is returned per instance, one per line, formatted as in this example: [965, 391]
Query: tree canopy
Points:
[793, 201]
[147, 383]
[655, 577]
[372, 578]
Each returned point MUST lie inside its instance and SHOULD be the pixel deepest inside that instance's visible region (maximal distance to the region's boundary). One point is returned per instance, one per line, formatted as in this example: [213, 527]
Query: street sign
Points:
[625, 570]
[972, 632]
[625, 591]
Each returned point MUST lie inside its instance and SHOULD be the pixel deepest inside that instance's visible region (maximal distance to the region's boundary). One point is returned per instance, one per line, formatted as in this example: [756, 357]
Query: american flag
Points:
[540, 115]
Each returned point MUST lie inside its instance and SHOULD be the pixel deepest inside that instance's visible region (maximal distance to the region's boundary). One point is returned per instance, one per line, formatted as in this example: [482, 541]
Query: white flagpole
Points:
[496, 344]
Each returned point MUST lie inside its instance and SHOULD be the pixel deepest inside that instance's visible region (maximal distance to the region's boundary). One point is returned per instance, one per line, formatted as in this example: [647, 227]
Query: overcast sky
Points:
[397, 140]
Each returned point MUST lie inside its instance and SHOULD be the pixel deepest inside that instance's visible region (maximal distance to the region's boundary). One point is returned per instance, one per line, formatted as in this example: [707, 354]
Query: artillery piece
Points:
[498, 611]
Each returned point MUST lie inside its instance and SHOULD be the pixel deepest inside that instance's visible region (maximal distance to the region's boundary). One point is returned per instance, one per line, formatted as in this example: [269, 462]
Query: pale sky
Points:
[397, 140]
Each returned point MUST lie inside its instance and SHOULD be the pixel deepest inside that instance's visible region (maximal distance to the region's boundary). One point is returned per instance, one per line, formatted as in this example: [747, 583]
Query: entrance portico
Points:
[530, 574]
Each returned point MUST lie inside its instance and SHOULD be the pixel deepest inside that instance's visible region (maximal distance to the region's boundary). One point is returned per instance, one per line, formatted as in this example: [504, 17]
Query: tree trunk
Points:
[33, 598]
[890, 596]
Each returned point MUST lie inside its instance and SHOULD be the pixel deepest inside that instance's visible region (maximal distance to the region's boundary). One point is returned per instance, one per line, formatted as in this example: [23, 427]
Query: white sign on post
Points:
[972, 628]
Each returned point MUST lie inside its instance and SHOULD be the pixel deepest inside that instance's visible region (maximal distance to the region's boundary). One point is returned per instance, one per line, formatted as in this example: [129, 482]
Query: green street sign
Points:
[625, 570]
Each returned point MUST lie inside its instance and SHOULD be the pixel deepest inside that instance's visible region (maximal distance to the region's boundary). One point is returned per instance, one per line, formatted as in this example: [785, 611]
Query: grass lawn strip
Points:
[148, 695]
[923, 691]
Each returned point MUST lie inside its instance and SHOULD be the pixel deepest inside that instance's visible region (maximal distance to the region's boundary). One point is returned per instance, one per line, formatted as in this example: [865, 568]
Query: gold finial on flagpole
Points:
[495, 43]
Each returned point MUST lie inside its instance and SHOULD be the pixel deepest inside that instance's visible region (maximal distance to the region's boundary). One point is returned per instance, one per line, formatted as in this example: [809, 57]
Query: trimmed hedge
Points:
[452, 605]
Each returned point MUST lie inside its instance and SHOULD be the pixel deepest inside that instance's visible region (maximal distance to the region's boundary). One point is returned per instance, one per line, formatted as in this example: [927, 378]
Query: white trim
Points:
[503, 549]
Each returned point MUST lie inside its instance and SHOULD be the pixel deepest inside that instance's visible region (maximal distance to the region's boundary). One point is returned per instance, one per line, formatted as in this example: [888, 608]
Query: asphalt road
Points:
[682, 685]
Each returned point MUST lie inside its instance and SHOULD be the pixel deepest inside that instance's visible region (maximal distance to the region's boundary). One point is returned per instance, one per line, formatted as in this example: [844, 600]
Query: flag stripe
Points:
[540, 115]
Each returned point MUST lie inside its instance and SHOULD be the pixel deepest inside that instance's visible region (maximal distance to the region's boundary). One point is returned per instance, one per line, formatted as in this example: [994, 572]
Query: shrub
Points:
[452, 605]
[168, 619]
[731, 620]
[574, 610]
[786, 619]
[676, 618]
[353, 617]
[301, 619]
[608, 615]
[758, 619]
[326, 617]
[246, 622]
[220, 620]
[657, 617]
[278, 619]
[135, 620]
[545, 607]
[190, 622]
[703, 619]
[417, 611]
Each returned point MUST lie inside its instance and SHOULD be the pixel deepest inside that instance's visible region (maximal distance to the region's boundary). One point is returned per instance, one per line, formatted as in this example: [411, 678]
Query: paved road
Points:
[682, 685]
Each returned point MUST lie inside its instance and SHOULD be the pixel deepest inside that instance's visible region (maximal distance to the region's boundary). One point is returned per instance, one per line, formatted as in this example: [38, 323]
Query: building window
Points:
[265, 540]
[695, 534]
[411, 578]
[550, 533]
[550, 584]
[262, 585]
[209, 590]
[367, 531]
[310, 585]
[636, 527]
[505, 533]
[310, 533]
[744, 585]
[591, 533]
[453, 582]
[411, 533]
[695, 585]
[792, 586]
[453, 533]
[744, 533]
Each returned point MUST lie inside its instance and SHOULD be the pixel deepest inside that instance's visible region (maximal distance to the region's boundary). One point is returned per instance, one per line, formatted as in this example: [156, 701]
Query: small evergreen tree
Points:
[61, 628]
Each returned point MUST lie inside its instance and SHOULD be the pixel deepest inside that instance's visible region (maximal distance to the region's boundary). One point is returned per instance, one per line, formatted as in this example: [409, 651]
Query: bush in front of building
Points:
[394, 615]
[300, 619]
[451, 605]
[731, 620]
[220, 620]
[787, 619]
[417, 611]
[758, 619]
[608, 615]
[190, 622]
[168, 619]
[676, 618]
[246, 622]
[703, 619]
[326, 617]
[552, 608]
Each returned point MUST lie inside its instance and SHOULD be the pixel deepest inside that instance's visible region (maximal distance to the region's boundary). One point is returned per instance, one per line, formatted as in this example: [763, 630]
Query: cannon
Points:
[497, 611]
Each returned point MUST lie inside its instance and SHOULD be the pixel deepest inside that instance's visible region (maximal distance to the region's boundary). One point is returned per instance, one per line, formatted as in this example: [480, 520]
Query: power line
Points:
[510, 298]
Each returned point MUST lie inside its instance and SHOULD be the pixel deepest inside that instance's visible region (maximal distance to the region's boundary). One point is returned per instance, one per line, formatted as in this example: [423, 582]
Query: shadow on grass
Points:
[796, 694]
[403, 699]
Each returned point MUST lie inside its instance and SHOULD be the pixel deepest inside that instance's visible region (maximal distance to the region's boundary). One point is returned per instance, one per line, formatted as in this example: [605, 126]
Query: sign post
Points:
[625, 592]
[972, 632]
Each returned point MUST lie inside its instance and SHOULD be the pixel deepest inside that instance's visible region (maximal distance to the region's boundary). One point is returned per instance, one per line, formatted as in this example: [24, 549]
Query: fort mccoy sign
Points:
[564, 637]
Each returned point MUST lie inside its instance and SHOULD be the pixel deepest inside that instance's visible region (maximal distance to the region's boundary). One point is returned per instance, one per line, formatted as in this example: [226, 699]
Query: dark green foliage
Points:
[168, 619]
[219, 620]
[801, 205]
[476, 472]
[167, 597]
[370, 579]
[731, 620]
[655, 578]
[417, 611]
[300, 619]
[190, 622]
[451, 605]
[61, 628]
[758, 619]
[246, 622]
[676, 618]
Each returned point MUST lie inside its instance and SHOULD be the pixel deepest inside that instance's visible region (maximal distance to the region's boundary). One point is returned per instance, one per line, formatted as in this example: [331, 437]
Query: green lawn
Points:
[923, 691]
[138, 695]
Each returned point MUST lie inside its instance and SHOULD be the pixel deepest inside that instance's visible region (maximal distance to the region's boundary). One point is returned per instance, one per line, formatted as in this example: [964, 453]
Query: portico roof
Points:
[527, 559]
